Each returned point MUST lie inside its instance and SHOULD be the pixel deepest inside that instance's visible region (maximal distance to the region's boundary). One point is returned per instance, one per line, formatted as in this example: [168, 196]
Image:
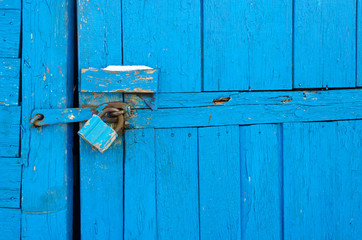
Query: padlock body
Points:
[98, 134]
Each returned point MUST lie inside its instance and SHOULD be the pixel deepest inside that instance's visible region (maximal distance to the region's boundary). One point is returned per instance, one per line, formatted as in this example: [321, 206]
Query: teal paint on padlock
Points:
[98, 134]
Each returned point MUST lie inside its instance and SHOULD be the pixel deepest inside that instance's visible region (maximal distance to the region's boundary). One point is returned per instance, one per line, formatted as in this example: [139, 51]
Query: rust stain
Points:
[220, 101]
[287, 100]
[210, 118]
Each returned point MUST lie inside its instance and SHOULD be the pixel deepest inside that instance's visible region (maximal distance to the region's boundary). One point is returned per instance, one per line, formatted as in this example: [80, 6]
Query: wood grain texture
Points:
[9, 81]
[140, 185]
[10, 220]
[99, 33]
[359, 43]
[165, 35]
[218, 99]
[219, 177]
[10, 21]
[9, 131]
[247, 45]
[177, 184]
[265, 107]
[261, 181]
[101, 185]
[325, 44]
[10, 4]
[323, 180]
[10, 181]
[47, 82]
[96, 80]
[100, 45]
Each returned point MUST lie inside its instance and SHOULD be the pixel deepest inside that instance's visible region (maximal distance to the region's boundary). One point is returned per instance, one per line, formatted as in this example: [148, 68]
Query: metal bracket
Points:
[43, 117]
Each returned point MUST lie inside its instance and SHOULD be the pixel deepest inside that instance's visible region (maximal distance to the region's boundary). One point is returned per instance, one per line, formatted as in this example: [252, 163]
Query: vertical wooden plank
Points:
[323, 180]
[140, 185]
[99, 33]
[359, 43]
[47, 82]
[247, 45]
[325, 44]
[177, 184]
[10, 222]
[261, 181]
[166, 35]
[101, 183]
[219, 177]
[101, 175]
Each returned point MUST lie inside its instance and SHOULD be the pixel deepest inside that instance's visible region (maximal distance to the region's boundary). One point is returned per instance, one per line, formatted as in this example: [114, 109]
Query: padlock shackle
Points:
[120, 122]
[107, 110]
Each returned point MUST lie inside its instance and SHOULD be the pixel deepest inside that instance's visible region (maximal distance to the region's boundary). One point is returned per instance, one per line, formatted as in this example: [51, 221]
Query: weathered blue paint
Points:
[10, 21]
[10, 118]
[97, 80]
[164, 35]
[140, 185]
[180, 177]
[100, 45]
[47, 82]
[10, 182]
[10, 4]
[261, 148]
[359, 43]
[255, 108]
[322, 180]
[10, 222]
[219, 179]
[324, 44]
[98, 133]
[10, 131]
[247, 45]
[176, 172]
[9, 81]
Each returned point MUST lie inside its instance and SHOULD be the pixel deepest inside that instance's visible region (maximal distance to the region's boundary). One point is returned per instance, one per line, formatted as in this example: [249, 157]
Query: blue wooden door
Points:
[10, 119]
[254, 132]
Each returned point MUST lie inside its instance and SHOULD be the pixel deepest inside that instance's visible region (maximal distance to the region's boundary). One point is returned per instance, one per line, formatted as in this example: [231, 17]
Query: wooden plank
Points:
[9, 131]
[140, 185]
[261, 181]
[100, 45]
[47, 82]
[177, 184]
[9, 81]
[10, 21]
[10, 181]
[325, 44]
[165, 35]
[219, 176]
[10, 4]
[101, 185]
[99, 33]
[207, 99]
[323, 180]
[247, 45]
[359, 43]
[287, 107]
[96, 80]
[10, 222]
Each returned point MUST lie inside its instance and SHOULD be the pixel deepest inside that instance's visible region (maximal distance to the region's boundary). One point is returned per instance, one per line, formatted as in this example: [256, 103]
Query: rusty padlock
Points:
[98, 133]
